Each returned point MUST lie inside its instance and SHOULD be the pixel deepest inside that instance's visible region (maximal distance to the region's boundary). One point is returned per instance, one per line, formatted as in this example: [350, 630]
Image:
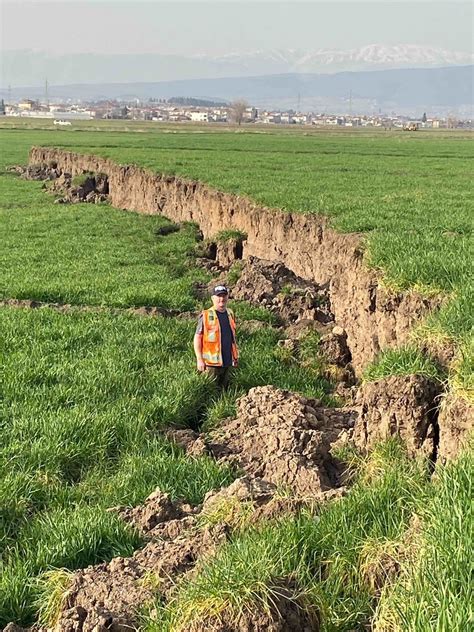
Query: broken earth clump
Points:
[283, 438]
[110, 596]
[455, 425]
[85, 187]
[283, 442]
[272, 285]
[406, 406]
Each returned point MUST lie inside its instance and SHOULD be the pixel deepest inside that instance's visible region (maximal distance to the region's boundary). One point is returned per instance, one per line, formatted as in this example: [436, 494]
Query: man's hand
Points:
[200, 365]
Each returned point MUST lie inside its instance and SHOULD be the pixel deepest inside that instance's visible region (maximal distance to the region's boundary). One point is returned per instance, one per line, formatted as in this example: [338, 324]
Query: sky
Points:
[217, 28]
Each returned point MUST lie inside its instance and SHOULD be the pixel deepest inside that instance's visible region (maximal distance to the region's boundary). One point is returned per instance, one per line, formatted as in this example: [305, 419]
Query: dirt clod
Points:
[399, 405]
[456, 423]
[283, 438]
[269, 283]
[156, 509]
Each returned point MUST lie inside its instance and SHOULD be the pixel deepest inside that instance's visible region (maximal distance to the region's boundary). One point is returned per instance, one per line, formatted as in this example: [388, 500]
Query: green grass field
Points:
[410, 194]
[85, 395]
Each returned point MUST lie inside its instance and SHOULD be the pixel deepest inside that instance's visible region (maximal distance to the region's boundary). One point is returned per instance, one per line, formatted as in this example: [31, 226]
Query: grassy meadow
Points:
[85, 395]
[409, 194]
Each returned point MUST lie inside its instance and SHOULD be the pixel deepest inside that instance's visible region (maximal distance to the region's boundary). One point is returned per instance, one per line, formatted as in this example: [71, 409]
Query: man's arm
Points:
[198, 344]
[198, 351]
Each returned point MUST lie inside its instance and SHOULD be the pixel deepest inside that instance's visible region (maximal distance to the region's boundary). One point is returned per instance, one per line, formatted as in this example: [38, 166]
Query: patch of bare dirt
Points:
[157, 509]
[274, 286]
[406, 406]
[284, 438]
[456, 424]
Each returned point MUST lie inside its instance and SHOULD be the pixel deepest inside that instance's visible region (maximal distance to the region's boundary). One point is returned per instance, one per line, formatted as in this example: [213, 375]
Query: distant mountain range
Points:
[32, 68]
[433, 90]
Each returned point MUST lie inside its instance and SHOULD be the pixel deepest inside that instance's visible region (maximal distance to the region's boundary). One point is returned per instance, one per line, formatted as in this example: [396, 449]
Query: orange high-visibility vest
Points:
[211, 338]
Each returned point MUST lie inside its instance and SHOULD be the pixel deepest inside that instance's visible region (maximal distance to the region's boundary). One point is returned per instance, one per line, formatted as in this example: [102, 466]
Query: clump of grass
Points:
[230, 511]
[235, 272]
[52, 593]
[227, 235]
[80, 179]
[402, 361]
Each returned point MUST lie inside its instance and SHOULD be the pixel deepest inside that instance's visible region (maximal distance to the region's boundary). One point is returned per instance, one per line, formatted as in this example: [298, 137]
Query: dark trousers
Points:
[220, 374]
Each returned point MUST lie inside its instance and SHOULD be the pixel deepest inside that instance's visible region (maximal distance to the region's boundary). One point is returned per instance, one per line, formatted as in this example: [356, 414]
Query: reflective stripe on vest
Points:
[211, 338]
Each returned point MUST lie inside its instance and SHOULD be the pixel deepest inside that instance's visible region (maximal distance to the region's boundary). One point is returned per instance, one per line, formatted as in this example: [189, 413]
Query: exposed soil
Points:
[456, 422]
[283, 438]
[90, 187]
[399, 405]
[271, 284]
[109, 596]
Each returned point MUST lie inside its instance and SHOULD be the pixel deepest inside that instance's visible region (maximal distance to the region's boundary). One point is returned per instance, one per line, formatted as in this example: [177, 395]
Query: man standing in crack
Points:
[214, 341]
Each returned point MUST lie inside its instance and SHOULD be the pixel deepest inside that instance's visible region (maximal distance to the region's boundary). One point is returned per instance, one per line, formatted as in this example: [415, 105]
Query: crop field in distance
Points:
[87, 392]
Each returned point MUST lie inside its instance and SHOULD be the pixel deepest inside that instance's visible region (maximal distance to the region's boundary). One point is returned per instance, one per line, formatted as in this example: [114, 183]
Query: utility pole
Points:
[46, 95]
[298, 106]
[350, 103]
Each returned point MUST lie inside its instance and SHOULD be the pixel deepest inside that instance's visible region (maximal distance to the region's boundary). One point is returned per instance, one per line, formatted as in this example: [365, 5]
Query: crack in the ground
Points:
[144, 310]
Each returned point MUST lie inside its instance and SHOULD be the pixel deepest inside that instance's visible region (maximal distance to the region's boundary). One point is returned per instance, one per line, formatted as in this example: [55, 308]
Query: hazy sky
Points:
[192, 27]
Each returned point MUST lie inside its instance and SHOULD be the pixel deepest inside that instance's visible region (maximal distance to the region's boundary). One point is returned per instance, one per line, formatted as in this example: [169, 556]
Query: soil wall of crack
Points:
[373, 318]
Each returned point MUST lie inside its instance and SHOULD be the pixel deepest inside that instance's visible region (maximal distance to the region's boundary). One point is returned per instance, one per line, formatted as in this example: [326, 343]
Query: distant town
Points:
[183, 109]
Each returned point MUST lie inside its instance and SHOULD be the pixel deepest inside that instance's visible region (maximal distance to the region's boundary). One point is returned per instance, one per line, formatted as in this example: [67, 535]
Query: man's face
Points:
[220, 301]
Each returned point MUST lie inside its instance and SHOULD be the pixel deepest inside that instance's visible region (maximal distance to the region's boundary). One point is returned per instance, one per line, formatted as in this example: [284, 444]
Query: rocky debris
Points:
[156, 509]
[108, 596]
[91, 188]
[37, 171]
[456, 424]
[88, 187]
[403, 405]
[283, 438]
[334, 347]
[270, 284]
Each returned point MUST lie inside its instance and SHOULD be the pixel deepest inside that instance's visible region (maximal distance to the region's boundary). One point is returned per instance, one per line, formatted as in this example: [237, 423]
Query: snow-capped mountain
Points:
[30, 68]
[371, 57]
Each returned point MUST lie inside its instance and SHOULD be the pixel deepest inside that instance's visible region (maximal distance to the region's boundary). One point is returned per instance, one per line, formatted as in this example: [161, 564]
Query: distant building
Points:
[202, 117]
[28, 104]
